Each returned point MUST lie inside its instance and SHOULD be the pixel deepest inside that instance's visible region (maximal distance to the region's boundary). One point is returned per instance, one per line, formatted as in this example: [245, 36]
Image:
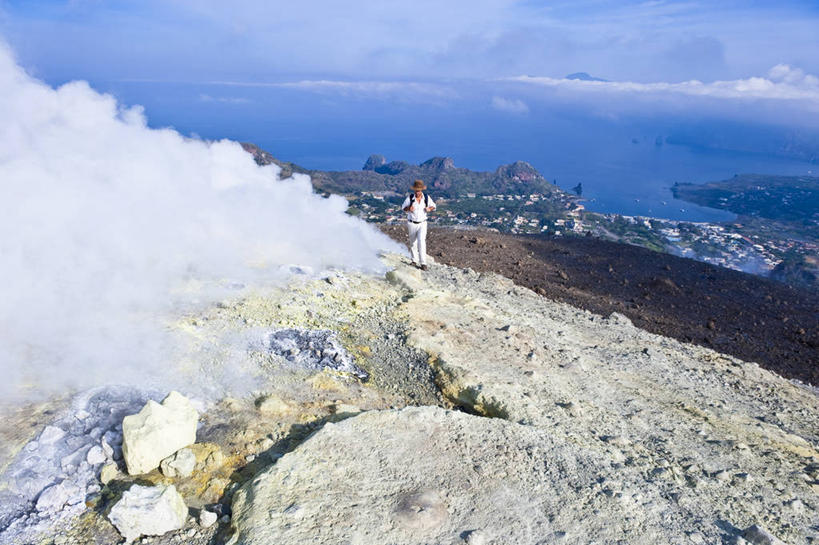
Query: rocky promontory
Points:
[440, 174]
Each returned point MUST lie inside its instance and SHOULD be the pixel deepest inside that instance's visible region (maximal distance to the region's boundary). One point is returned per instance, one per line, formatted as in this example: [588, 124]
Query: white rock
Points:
[95, 456]
[148, 511]
[71, 462]
[158, 431]
[107, 449]
[207, 518]
[476, 537]
[56, 496]
[51, 434]
[179, 464]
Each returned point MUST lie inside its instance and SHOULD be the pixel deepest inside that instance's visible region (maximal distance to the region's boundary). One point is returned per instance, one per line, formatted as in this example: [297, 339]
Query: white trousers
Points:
[418, 242]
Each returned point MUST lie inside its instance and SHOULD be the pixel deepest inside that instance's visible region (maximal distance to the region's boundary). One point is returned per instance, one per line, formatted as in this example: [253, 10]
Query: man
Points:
[417, 205]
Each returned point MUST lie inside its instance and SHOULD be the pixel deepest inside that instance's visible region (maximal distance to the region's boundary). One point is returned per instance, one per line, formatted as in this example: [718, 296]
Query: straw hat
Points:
[418, 185]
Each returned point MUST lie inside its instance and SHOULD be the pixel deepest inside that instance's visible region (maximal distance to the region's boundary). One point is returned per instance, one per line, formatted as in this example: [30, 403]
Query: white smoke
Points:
[102, 219]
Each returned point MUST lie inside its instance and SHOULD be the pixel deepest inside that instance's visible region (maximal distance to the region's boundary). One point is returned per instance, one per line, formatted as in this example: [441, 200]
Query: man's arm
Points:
[431, 206]
[407, 206]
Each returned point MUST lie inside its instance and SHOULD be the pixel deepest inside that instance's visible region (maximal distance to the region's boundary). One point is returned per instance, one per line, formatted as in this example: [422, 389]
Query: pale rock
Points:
[215, 459]
[148, 511]
[795, 504]
[760, 536]
[71, 462]
[55, 497]
[50, 435]
[107, 449]
[207, 518]
[95, 456]
[179, 464]
[722, 475]
[158, 431]
[346, 408]
[273, 405]
[476, 537]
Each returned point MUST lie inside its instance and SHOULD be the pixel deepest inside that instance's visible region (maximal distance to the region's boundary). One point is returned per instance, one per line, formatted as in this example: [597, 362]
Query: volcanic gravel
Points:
[747, 316]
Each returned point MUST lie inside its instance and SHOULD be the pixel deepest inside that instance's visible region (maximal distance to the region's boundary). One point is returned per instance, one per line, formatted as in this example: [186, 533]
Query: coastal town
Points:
[731, 244]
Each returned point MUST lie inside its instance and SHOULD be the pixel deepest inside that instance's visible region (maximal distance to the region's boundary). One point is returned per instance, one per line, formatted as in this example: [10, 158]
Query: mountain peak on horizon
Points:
[584, 76]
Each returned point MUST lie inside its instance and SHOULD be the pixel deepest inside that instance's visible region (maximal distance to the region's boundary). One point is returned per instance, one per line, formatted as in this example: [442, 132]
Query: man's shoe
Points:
[423, 267]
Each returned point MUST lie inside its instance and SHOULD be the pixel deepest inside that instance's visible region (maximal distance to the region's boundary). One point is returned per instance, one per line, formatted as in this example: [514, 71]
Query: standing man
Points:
[417, 205]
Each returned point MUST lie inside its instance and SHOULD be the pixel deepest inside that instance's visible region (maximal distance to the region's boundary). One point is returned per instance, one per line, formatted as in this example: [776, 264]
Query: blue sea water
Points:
[626, 167]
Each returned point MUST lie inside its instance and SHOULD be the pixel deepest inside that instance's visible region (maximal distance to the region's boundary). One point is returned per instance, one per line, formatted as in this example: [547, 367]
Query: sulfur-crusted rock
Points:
[148, 511]
[158, 431]
[273, 405]
[108, 473]
[179, 464]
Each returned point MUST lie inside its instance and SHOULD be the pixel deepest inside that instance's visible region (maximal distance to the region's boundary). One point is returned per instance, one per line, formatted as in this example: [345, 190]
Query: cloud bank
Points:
[104, 219]
[783, 82]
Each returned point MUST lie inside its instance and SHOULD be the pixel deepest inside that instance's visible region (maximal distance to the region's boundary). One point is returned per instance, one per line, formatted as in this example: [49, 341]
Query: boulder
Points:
[148, 511]
[157, 431]
[179, 464]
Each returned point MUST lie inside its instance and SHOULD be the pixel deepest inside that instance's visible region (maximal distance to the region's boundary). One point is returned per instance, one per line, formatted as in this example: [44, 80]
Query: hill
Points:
[439, 173]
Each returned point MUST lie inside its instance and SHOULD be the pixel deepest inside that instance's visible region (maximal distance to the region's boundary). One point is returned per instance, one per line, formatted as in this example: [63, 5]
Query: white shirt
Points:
[418, 213]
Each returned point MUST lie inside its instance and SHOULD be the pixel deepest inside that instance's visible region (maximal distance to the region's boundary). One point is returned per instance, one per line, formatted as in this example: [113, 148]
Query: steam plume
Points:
[103, 218]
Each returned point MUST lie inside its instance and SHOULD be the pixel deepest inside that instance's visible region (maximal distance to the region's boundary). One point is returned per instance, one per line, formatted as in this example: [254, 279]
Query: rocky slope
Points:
[452, 406]
[744, 315]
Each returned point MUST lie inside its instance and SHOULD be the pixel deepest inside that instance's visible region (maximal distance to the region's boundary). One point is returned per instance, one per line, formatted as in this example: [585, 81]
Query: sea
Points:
[624, 166]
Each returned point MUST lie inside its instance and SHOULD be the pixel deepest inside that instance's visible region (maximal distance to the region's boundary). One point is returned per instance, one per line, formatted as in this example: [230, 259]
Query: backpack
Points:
[426, 199]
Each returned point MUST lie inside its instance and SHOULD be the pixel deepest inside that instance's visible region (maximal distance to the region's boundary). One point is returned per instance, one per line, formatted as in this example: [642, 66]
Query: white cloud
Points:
[103, 220]
[783, 83]
[512, 106]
